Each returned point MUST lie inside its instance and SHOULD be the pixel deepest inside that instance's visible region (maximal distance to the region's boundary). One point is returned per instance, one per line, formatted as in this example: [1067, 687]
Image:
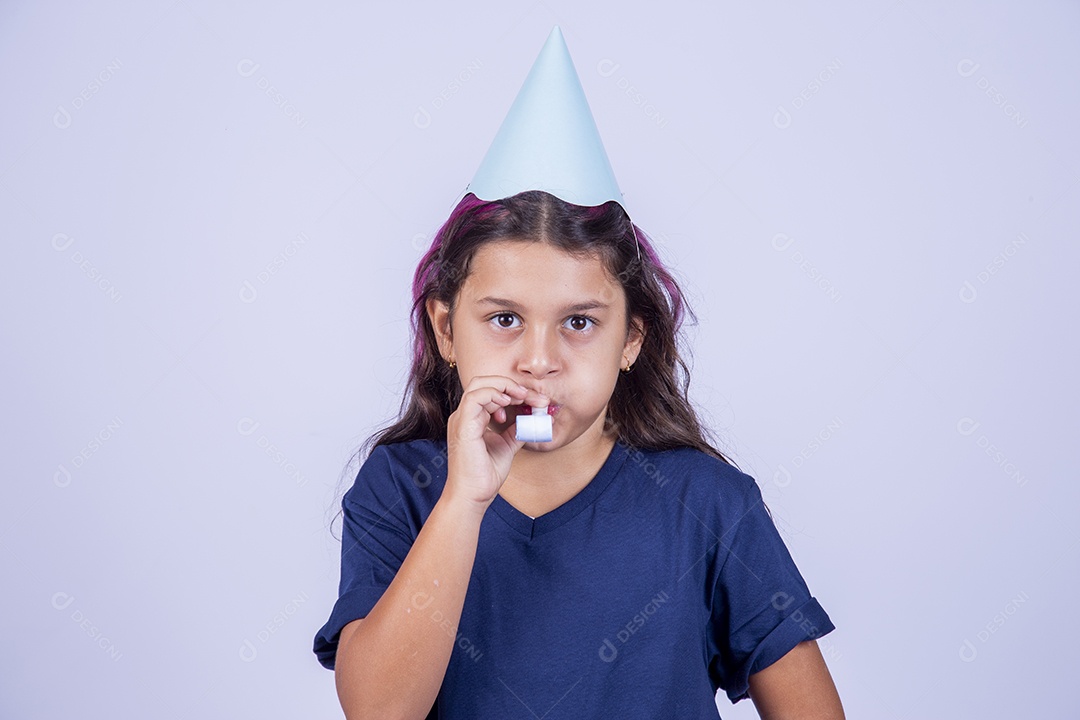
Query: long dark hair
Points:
[650, 407]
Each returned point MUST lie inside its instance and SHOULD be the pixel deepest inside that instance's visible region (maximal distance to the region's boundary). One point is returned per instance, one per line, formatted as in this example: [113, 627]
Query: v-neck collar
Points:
[532, 527]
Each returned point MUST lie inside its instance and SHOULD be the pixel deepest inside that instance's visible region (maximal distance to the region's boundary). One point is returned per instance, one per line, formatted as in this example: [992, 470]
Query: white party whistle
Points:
[535, 427]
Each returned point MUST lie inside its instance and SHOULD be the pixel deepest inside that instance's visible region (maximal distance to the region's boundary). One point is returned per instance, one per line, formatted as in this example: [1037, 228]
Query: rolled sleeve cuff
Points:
[353, 605]
[809, 621]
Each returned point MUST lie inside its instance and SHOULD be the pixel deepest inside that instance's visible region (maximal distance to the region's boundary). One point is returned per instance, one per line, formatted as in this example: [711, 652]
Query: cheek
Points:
[473, 343]
[598, 359]
[597, 383]
[485, 356]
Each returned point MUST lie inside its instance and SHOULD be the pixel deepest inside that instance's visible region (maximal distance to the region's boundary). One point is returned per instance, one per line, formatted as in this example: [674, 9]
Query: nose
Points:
[539, 351]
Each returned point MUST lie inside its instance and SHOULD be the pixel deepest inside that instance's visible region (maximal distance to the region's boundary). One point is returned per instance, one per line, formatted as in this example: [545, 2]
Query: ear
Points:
[635, 336]
[439, 315]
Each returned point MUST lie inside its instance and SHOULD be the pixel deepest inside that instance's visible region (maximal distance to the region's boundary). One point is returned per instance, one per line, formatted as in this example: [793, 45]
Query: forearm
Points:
[798, 686]
[393, 662]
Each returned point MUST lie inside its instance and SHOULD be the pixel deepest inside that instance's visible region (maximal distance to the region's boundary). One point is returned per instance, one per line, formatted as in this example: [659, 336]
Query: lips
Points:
[552, 409]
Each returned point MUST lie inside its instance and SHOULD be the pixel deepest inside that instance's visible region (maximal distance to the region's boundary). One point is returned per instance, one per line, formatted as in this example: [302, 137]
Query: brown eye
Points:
[580, 322]
[505, 320]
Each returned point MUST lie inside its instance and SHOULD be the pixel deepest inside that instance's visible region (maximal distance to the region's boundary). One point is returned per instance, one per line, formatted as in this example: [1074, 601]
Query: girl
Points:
[625, 569]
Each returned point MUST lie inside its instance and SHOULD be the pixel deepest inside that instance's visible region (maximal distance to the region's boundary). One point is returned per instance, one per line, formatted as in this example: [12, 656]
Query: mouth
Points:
[552, 409]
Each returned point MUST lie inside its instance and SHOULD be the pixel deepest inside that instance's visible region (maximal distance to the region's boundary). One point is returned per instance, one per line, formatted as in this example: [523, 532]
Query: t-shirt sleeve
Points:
[375, 538]
[761, 607]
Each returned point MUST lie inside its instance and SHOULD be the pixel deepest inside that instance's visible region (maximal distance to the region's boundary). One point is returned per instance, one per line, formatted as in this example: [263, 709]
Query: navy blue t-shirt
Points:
[660, 582]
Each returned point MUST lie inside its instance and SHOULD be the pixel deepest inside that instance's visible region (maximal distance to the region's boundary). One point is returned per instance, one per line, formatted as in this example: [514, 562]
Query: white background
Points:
[872, 206]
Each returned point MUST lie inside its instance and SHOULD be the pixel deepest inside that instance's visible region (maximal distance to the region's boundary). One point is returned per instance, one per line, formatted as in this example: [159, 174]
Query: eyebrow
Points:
[576, 307]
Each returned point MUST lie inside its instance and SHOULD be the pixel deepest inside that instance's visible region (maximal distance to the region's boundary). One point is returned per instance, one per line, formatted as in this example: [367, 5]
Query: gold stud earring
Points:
[628, 366]
[453, 364]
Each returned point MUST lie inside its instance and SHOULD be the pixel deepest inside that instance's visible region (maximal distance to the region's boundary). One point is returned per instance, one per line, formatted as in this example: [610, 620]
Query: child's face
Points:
[552, 321]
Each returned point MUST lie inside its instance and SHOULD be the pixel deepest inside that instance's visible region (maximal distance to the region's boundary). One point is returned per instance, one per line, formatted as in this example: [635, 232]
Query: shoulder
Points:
[688, 470]
[688, 481]
[410, 456]
[405, 469]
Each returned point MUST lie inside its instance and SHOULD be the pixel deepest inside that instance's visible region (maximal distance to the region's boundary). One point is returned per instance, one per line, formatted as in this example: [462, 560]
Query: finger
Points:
[495, 411]
[510, 436]
[519, 408]
[485, 395]
[521, 393]
[499, 382]
[478, 406]
[503, 445]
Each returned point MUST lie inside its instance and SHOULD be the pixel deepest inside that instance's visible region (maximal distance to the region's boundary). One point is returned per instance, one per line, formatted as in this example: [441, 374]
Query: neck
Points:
[542, 481]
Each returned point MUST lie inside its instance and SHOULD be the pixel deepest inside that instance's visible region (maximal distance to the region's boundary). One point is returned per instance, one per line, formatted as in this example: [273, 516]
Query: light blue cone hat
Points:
[549, 139]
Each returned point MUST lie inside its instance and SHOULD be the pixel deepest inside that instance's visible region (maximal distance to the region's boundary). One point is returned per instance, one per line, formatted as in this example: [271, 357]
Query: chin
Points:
[541, 447]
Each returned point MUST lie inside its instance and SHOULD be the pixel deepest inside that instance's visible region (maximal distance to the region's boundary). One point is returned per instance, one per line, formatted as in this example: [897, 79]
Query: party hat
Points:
[549, 139]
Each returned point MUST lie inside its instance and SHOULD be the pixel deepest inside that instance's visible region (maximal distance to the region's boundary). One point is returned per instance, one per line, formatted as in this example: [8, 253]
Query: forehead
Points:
[524, 268]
